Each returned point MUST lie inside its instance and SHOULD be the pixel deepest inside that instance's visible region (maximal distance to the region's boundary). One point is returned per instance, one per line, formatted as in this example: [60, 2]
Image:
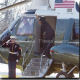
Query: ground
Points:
[4, 72]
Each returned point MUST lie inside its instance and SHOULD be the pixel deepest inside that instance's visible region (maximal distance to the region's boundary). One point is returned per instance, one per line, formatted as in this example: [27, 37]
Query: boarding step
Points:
[39, 59]
[39, 63]
[34, 67]
[31, 73]
[37, 67]
[34, 71]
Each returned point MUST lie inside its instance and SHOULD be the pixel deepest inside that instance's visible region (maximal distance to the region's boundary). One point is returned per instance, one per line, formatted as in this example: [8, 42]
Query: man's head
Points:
[25, 20]
[13, 39]
[41, 21]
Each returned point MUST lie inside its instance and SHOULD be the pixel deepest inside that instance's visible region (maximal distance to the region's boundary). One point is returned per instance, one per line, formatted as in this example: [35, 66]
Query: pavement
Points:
[4, 71]
[53, 75]
[0, 76]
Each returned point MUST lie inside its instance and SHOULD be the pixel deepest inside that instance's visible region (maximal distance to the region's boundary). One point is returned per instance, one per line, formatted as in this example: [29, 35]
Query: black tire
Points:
[62, 75]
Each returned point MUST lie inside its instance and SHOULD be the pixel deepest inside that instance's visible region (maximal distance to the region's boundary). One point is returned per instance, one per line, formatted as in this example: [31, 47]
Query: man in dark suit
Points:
[47, 35]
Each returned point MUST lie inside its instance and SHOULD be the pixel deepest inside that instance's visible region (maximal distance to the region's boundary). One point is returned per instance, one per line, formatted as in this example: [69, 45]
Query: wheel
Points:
[62, 75]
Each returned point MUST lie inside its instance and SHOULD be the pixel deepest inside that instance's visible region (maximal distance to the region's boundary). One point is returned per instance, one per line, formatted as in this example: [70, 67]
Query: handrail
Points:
[25, 53]
[43, 53]
[27, 56]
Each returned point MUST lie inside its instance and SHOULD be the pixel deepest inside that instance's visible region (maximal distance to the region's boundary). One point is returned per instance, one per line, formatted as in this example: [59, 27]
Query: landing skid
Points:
[64, 74]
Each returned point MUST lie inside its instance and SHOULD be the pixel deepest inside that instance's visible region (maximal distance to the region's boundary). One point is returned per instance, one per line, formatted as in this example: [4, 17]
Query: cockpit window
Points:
[26, 26]
[75, 34]
[13, 24]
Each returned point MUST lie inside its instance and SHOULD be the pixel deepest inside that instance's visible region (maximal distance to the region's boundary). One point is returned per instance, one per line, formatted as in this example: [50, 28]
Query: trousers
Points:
[47, 44]
[12, 69]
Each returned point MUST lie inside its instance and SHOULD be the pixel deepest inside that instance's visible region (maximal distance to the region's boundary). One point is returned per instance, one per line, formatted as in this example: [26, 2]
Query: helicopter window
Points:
[13, 24]
[75, 33]
[26, 26]
[77, 7]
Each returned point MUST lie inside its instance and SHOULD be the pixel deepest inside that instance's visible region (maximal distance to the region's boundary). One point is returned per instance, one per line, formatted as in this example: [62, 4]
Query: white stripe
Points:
[13, 52]
[68, 0]
[54, 41]
[69, 42]
[26, 41]
[64, 3]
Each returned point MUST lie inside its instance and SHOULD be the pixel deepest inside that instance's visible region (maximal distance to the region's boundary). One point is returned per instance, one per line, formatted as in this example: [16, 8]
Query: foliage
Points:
[8, 16]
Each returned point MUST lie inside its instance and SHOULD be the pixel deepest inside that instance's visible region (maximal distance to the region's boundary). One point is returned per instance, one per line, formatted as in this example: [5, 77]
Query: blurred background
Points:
[6, 17]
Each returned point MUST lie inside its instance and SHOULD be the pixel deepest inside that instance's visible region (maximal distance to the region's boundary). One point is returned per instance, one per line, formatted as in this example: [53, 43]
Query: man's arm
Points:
[39, 18]
[6, 44]
[36, 16]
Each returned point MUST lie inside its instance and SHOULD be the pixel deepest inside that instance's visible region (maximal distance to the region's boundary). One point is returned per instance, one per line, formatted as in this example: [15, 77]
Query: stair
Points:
[37, 68]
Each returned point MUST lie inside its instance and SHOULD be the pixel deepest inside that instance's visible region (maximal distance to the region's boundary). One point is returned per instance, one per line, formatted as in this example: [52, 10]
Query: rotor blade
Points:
[14, 5]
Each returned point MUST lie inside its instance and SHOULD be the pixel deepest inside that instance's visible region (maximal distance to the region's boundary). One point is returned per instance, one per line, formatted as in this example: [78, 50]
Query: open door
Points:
[52, 22]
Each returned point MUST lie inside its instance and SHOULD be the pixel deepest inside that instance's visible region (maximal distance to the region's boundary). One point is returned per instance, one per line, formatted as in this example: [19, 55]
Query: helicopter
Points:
[63, 16]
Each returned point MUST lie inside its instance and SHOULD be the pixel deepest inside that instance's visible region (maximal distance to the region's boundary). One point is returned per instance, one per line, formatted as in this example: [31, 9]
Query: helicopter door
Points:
[52, 22]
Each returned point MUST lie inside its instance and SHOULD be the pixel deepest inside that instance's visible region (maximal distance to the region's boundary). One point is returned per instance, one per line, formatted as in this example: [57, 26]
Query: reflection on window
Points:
[26, 26]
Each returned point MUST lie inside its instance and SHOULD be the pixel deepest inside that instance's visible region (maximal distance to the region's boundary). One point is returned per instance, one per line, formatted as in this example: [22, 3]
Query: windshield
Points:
[13, 24]
[26, 26]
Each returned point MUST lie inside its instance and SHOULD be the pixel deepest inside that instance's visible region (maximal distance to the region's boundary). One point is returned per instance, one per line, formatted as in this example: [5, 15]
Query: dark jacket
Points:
[45, 27]
[13, 47]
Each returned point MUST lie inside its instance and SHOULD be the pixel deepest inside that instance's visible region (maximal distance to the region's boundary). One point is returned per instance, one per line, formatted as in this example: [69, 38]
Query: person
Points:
[47, 35]
[24, 27]
[14, 55]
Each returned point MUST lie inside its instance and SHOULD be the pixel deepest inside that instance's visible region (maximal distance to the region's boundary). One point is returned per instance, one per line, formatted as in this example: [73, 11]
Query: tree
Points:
[11, 14]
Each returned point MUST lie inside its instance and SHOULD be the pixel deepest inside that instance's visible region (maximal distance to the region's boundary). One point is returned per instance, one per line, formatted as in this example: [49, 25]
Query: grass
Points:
[19, 67]
[4, 59]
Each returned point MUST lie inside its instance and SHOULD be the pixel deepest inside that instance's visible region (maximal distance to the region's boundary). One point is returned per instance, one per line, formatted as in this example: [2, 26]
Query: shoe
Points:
[45, 57]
